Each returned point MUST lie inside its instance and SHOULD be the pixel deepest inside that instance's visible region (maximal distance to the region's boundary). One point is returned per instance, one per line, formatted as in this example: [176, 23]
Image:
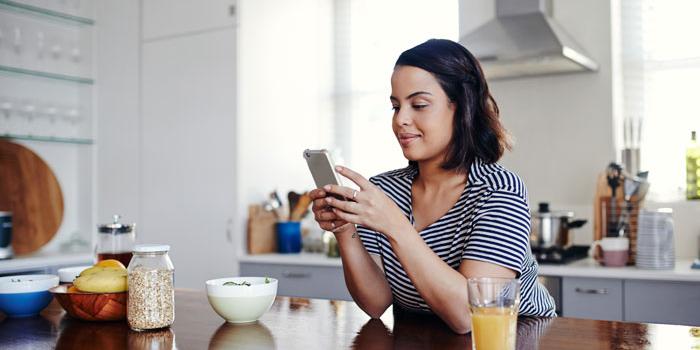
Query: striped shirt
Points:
[490, 222]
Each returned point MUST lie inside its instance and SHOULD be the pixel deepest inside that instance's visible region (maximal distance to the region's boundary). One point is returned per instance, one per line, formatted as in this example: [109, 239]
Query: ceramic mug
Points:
[615, 251]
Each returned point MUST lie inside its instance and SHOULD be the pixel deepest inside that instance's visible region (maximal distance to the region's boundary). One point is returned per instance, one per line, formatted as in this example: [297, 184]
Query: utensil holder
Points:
[609, 222]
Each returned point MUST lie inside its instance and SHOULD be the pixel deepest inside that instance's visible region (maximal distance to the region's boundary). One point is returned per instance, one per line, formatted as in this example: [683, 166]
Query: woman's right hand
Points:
[324, 214]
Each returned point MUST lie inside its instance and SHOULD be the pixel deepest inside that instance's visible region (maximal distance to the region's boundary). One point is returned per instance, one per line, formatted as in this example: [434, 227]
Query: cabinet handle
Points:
[289, 274]
[591, 291]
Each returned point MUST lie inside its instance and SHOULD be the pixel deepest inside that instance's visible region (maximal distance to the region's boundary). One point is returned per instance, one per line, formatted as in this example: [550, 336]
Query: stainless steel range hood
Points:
[524, 40]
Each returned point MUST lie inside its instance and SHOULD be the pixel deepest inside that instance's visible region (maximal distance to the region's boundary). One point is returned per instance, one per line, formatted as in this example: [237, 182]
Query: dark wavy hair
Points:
[477, 132]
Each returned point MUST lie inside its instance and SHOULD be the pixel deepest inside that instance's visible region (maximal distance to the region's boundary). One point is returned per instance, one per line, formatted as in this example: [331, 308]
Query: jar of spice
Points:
[151, 302]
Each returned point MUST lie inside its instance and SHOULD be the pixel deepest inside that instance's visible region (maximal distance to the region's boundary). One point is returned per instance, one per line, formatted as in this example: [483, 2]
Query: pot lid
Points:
[543, 211]
[116, 227]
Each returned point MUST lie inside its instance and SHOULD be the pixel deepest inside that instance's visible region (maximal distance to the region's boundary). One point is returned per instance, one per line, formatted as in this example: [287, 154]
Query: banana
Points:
[98, 279]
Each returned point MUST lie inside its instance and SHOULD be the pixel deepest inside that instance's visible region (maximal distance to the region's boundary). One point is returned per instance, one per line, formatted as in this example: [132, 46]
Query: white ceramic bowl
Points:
[68, 274]
[241, 303]
[27, 283]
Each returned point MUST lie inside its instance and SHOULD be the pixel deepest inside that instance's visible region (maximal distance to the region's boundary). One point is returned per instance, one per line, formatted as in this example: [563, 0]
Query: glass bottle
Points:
[115, 241]
[151, 302]
[692, 165]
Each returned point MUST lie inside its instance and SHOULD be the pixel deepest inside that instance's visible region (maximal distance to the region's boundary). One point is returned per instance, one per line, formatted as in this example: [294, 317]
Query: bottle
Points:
[151, 277]
[692, 165]
[115, 241]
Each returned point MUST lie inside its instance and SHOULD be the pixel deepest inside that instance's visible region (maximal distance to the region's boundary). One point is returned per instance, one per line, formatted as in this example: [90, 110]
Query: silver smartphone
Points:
[321, 167]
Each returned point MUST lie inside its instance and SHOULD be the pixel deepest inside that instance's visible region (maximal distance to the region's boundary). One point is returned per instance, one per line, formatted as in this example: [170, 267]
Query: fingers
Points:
[345, 192]
[317, 193]
[354, 177]
[346, 206]
[345, 216]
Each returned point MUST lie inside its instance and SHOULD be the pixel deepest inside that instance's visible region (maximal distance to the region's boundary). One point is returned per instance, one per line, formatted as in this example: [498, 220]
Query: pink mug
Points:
[615, 251]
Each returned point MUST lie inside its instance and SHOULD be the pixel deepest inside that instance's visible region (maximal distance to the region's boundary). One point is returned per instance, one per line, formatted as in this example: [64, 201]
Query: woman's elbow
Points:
[461, 326]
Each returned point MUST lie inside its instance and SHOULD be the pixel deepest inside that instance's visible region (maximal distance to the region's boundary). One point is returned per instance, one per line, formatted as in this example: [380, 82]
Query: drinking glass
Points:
[494, 303]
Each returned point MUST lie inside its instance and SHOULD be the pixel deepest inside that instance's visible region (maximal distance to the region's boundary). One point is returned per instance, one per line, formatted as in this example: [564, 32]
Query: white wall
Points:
[563, 125]
[285, 79]
[118, 122]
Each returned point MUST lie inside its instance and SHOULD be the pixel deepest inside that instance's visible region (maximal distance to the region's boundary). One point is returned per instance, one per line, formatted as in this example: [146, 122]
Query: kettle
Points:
[550, 229]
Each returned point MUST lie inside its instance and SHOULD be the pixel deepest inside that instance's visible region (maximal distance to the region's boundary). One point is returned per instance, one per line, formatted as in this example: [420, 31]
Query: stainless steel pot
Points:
[550, 229]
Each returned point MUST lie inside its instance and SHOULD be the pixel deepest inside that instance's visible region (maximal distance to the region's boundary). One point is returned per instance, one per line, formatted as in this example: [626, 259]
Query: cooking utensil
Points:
[613, 174]
[631, 186]
[30, 190]
[293, 199]
[300, 208]
[550, 229]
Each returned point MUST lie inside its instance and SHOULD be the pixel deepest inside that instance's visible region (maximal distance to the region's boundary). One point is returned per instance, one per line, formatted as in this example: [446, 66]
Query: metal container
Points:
[550, 229]
[5, 235]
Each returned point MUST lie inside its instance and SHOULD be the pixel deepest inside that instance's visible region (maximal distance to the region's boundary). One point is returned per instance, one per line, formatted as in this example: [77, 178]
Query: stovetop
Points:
[559, 256]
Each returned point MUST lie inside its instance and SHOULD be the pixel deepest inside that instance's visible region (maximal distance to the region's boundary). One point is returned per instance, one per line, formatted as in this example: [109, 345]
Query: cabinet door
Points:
[326, 282]
[592, 298]
[164, 18]
[188, 144]
[662, 302]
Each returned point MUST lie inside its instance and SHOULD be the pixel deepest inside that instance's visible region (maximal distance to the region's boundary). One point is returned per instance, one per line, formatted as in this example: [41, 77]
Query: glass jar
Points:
[151, 302]
[115, 241]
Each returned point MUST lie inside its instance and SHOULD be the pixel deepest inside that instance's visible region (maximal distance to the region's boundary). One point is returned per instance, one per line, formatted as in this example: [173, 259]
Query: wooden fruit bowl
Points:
[91, 306]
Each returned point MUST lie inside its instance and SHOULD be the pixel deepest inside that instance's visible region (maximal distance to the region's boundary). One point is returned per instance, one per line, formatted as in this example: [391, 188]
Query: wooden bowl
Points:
[91, 306]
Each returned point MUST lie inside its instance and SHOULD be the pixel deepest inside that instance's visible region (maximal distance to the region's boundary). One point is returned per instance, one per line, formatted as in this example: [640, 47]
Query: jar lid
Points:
[116, 227]
[151, 248]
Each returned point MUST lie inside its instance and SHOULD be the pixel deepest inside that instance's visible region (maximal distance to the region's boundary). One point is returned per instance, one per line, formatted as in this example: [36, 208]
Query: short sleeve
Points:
[370, 239]
[500, 231]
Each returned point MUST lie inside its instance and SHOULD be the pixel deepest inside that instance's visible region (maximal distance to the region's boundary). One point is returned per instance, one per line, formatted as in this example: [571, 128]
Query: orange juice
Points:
[493, 328]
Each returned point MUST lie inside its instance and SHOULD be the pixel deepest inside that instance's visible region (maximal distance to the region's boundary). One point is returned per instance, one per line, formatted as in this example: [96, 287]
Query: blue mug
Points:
[288, 236]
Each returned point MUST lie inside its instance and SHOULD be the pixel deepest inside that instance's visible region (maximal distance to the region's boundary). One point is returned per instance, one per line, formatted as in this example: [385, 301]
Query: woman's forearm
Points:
[443, 288]
[363, 277]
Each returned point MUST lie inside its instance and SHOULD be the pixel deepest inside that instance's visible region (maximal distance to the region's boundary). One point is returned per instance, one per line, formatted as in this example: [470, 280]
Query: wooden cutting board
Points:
[30, 190]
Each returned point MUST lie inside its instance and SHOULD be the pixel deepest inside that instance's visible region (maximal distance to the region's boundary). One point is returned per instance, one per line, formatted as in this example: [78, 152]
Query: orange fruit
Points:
[110, 263]
[73, 289]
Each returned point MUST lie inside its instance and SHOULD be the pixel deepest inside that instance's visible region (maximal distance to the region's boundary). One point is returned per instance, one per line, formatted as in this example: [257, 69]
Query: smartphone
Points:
[321, 167]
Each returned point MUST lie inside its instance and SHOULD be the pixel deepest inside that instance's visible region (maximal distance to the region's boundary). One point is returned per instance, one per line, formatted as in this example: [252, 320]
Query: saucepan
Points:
[551, 229]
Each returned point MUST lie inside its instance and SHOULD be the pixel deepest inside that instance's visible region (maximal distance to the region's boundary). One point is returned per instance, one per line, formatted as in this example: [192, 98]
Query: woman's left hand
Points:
[368, 207]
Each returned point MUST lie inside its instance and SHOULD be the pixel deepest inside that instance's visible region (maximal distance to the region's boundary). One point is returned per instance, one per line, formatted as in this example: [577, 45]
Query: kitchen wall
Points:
[118, 95]
[564, 125]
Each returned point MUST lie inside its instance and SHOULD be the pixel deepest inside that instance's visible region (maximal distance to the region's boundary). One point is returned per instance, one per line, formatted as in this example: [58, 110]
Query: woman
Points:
[451, 214]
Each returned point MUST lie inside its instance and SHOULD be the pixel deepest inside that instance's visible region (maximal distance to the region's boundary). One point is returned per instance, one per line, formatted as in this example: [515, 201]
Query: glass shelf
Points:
[78, 141]
[17, 6]
[47, 75]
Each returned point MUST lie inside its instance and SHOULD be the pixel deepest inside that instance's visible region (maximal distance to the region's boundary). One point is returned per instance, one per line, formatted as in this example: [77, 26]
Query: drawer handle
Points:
[296, 274]
[591, 291]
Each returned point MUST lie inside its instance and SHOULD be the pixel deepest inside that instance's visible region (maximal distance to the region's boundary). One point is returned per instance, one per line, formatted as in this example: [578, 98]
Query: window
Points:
[660, 56]
[369, 36]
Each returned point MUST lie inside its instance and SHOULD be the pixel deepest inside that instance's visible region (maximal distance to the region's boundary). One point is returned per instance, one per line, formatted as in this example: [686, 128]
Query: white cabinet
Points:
[592, 298]
[326, 282]
[662, 302]
[188, 150]
[164, 18]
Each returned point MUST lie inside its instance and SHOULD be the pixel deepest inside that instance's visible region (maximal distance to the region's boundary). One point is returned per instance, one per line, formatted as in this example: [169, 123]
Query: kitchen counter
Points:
[297, 323]
[590, 268]
[44, 262]
[580, 268]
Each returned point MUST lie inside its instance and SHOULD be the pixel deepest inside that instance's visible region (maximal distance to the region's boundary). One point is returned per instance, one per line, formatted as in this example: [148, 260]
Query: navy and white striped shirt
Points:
[490, 222]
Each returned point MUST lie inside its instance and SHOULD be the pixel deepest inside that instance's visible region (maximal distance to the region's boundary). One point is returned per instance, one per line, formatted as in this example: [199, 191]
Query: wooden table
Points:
[296, 323]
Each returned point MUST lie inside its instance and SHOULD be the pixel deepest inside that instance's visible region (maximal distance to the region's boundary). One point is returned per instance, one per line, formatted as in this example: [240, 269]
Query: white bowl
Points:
[27, 283]
[241, 303]
[68, 274]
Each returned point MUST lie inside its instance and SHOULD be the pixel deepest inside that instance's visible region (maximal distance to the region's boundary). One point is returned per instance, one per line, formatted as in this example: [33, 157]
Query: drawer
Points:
[662, 302]
[592, 298]
[325, 282]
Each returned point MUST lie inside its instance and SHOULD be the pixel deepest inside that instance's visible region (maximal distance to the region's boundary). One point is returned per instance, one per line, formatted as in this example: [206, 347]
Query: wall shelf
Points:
[20, 7]
[47, 75]
[72, 140]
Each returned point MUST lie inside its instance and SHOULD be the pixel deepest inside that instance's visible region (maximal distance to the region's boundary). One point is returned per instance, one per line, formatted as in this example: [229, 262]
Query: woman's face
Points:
[423, 114]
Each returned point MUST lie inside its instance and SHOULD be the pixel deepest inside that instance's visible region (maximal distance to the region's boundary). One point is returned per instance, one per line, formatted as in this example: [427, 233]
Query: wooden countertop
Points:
[296, 323]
